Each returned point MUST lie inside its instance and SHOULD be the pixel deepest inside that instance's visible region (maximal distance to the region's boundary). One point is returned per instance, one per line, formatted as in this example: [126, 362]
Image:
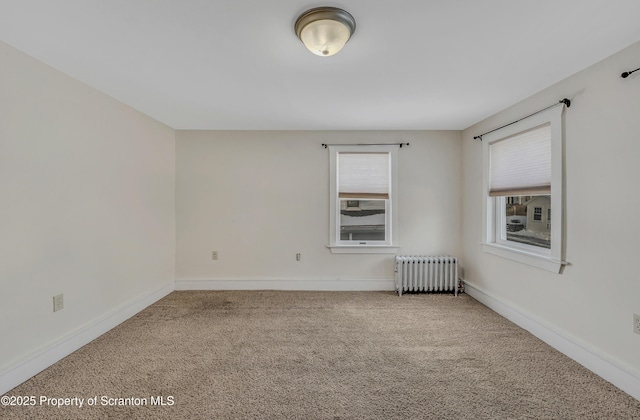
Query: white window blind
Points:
[363, 175]
[521, 164]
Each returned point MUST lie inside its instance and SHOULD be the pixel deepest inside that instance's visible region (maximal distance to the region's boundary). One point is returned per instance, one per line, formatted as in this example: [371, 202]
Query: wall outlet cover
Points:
[58, 302]
[636, 323]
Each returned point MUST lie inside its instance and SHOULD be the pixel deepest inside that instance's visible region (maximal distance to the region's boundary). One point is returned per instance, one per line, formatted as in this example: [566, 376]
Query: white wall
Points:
[258, 198]
[87, 188]
[592, 303]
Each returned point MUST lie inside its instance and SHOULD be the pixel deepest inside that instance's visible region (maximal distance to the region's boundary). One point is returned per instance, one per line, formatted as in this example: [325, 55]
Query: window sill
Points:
[543, 262]
[359, 249]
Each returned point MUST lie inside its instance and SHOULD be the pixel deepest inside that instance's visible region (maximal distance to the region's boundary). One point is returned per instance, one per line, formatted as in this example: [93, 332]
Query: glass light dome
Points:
[325, 37]
[325, 30]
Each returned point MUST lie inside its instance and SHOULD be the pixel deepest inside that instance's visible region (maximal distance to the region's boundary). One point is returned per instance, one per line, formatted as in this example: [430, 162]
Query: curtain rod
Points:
[366, 144]
[627, 73]
[565, 101]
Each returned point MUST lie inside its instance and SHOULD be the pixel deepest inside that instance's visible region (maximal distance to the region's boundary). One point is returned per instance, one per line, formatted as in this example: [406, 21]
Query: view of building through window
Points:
[362, 220]
[528, 219]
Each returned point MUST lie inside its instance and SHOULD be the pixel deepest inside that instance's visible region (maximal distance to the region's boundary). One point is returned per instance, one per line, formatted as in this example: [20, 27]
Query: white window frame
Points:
[390, 245]
[536, 213]
[493, 226]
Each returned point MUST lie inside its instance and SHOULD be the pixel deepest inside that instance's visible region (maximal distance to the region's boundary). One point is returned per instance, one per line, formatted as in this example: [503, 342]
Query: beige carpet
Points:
[325, 355]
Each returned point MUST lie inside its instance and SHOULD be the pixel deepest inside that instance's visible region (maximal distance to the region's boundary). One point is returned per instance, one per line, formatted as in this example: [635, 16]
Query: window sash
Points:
[341, 226]
[501, 237]
[537, 214]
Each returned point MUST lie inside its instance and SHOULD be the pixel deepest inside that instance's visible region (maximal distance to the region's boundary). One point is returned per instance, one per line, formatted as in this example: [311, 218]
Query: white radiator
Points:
[426, 274]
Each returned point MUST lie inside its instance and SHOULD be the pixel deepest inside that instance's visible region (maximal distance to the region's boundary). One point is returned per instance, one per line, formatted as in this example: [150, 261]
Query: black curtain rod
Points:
[565, 101]
[366, 144]
[627, 73]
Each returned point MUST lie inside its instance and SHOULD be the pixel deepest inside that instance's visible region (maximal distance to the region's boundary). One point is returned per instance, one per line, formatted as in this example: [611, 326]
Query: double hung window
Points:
[523, 183]
[363, 202]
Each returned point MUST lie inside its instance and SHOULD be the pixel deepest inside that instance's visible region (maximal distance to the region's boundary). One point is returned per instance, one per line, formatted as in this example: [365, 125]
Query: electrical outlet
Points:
[298, 256]
[636, 323]
[214, 255]
[58, 302]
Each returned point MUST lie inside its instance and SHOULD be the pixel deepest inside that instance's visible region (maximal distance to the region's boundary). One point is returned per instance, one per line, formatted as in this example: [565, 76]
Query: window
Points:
[524, 226]
[363, 199]
[537, 214]
[522, 184]
[363, 220]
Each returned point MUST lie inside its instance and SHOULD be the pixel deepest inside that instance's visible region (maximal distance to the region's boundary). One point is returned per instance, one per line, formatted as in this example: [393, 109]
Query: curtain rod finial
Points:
[628, 73]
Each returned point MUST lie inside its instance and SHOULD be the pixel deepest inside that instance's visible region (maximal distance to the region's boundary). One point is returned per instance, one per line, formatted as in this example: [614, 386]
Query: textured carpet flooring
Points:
[325, 355]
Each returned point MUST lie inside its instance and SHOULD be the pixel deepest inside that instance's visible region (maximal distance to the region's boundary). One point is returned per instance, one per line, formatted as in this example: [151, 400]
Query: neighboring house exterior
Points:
[539, 214]
[362, 220]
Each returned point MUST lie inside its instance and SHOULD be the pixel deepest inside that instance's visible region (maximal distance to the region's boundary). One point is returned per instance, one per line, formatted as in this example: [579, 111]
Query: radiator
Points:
[426, 274]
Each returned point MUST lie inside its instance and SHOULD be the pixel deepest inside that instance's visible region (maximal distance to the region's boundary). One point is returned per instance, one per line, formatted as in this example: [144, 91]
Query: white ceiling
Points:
[237, 64]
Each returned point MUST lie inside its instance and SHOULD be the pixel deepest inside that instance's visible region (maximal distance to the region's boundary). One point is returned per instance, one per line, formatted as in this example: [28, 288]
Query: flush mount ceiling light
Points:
[325, 30]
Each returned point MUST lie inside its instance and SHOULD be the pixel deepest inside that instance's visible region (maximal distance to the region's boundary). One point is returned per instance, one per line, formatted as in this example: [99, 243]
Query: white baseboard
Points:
[14, 375]
[621, 376]
[284, 284]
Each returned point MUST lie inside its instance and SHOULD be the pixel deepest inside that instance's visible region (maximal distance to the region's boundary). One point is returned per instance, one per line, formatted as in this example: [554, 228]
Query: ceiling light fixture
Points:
[325, 30]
